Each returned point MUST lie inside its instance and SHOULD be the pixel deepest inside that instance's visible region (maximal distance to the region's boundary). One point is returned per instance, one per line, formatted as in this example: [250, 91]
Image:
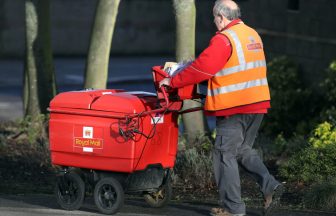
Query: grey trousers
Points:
[233, 146]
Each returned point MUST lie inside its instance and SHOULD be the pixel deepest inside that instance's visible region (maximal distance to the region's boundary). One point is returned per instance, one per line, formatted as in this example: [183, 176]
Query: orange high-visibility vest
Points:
[243, 80]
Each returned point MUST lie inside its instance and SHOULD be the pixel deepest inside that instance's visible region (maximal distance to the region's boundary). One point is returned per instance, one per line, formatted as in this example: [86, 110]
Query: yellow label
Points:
[84, 142]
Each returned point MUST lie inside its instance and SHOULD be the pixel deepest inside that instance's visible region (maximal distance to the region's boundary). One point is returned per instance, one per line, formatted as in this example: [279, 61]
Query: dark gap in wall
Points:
[293, 5]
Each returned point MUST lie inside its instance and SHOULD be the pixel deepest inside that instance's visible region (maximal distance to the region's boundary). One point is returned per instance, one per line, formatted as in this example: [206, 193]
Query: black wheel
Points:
[108, 195]
[69, 191]
[160, 198]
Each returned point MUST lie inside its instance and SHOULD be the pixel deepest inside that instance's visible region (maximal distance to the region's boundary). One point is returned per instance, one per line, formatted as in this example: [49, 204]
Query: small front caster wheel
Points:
[161, 197]
[108, 195]
[69, 191]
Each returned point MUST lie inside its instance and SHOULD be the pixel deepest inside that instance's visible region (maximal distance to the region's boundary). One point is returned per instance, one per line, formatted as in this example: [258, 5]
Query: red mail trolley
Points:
[111, 142]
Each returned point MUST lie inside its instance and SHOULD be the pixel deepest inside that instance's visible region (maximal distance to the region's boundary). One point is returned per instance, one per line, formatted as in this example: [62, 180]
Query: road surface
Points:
[37, 205]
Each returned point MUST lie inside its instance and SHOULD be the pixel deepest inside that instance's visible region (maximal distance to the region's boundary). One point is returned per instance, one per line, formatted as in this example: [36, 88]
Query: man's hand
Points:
[165, 81]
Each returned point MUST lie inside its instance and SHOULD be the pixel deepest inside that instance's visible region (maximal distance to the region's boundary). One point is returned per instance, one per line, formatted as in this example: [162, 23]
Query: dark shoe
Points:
[222, 212]
[272, 201]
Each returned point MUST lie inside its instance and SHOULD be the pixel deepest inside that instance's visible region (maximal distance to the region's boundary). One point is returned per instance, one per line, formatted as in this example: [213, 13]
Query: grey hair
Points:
[221, 8]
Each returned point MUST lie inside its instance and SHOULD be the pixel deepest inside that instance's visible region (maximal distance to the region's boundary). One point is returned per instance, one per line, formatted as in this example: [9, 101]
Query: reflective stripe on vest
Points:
[239, 48]
[237, 87]
[242, 67]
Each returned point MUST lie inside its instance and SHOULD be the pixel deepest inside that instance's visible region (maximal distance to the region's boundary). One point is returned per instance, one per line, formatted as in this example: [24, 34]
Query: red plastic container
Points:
[175, 96]
[186, 92]
[111, 130]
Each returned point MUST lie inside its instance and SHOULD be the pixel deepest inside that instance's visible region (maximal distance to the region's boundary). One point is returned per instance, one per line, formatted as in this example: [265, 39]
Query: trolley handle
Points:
[158, 69]
[163, 90]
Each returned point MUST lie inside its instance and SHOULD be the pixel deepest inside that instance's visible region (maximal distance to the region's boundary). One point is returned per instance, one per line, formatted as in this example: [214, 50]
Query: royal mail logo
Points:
[84, 142]
[88, 139]
[253, 45]
[87, 132]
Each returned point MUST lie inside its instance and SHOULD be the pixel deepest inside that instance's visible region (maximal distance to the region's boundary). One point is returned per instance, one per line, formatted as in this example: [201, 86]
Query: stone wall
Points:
[146, 27]
[306, 35]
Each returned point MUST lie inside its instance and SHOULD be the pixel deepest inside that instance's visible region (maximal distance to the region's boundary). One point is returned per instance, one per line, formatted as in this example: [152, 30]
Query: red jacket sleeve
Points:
[209, 62]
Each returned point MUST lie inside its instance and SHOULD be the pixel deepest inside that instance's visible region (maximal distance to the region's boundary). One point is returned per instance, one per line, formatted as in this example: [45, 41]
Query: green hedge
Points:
[317, 161]
[293, 106]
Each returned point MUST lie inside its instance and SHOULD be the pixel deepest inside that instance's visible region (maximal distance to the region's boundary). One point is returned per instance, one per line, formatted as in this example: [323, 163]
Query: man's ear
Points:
[221, 18]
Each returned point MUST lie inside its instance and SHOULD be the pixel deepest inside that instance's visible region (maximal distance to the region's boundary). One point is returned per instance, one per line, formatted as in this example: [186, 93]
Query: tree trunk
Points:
[39, 77]
[39, 85]
[194, 123]
[101, 38]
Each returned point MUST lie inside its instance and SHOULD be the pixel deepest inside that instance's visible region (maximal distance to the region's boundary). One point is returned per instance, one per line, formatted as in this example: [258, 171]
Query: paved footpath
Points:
[37, 205]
